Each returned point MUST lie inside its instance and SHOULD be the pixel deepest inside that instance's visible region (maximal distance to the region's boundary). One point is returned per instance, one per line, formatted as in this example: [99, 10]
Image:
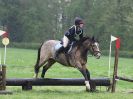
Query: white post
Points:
[109, 59]
[0, 62]
[5, 56]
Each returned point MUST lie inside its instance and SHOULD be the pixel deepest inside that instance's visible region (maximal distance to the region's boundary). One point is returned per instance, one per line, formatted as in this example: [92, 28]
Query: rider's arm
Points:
[81, 35]
[70, 33]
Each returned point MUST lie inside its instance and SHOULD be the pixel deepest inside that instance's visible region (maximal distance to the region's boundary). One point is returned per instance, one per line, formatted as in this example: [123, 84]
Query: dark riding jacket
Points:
[74, 33]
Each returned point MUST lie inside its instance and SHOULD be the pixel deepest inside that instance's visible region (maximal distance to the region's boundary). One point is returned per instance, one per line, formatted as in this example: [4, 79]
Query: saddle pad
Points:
[57, 46]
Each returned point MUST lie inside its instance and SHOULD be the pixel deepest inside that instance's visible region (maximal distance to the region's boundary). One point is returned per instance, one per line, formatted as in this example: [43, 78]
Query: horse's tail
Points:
[36, 67]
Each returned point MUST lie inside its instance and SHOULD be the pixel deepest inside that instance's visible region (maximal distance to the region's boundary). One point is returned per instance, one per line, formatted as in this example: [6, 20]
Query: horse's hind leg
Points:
[47, 66]
[39, 63]
[37, 67]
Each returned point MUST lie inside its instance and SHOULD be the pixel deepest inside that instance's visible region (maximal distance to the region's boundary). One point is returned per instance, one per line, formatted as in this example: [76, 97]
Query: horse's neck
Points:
[81, 51]
[76, 54]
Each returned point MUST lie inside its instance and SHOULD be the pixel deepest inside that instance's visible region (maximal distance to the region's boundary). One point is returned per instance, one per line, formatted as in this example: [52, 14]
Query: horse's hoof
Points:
[35, 76]
[88, 90]
[42, 77]
[92, 90]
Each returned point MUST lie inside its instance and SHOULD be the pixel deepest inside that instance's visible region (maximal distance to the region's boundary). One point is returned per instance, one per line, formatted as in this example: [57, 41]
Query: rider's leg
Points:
[64, 45]
[65, 41]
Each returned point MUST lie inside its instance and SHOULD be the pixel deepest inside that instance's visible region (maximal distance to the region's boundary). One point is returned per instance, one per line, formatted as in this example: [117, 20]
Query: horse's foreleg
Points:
[47, 66]
[87, 82]
[86, 75]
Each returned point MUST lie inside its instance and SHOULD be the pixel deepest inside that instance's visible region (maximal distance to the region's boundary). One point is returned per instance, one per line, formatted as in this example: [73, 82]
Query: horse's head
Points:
[92, 45]
[94, 48]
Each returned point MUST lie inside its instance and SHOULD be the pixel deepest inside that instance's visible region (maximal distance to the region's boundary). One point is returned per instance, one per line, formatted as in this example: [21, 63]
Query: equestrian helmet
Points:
[78, 21]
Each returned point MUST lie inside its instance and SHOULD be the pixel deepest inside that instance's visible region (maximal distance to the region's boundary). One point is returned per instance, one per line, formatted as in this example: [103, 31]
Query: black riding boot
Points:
[59, 51]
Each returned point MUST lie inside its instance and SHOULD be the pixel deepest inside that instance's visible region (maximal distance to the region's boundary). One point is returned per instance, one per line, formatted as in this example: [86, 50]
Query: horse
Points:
[76, 58]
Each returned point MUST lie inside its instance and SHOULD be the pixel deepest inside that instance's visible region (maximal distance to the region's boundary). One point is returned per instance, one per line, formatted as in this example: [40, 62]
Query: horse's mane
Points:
[82, 40]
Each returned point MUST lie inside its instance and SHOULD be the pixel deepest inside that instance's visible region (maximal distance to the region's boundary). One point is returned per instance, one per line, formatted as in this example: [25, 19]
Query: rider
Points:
[74, 33]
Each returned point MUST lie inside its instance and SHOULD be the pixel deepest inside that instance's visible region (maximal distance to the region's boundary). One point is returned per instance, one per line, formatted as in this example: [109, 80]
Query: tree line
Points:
[38, 20]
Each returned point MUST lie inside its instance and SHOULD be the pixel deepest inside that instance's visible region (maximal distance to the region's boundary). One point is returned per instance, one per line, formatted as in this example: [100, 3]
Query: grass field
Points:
[20, 63]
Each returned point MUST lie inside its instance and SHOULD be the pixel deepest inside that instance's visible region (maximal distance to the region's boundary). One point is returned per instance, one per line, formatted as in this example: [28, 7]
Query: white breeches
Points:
[65, 41]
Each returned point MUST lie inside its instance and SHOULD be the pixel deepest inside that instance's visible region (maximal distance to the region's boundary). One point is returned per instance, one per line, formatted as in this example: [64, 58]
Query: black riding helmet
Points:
[78, 21]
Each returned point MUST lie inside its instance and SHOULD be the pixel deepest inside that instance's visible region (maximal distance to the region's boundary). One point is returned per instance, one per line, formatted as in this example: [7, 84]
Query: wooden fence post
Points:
[3, 80]
[4, 76]
[115, 70]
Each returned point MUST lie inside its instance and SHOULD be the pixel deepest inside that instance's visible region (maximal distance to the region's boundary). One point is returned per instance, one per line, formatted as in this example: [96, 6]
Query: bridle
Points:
[94, 52]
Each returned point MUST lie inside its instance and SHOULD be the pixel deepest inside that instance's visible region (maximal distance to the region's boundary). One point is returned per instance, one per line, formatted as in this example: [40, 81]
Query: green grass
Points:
[20, 63]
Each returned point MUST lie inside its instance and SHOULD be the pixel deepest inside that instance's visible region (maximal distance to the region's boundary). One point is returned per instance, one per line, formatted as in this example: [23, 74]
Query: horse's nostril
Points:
[97, 55]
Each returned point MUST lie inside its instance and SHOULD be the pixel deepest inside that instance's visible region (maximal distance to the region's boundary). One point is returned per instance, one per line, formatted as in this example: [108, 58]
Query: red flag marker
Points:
[118, 43]
[5, 35]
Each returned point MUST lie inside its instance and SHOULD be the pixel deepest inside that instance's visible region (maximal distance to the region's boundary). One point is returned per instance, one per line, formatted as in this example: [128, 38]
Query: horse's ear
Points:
[93, 38]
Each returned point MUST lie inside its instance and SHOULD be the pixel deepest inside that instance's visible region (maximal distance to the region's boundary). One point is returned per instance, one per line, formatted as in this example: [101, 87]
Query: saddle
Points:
[66, 50]
[69, 47]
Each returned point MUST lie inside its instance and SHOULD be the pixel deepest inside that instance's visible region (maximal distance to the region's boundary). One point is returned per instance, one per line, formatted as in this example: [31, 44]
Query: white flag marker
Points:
[2, 32]
[113, 38]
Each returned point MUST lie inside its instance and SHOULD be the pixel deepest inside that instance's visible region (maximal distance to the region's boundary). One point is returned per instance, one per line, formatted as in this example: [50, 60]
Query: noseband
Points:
[93, 49]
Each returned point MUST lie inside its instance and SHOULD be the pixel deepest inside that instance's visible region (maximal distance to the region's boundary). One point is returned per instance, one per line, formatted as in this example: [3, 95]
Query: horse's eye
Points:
[93, 45]
[96, 44]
